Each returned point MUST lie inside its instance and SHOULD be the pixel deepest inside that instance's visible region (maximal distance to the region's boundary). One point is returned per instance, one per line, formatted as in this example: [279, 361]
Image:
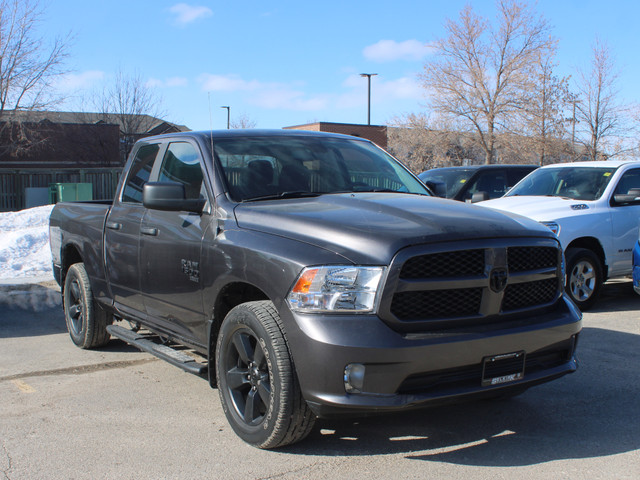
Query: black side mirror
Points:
[169, 197]
[438, 188]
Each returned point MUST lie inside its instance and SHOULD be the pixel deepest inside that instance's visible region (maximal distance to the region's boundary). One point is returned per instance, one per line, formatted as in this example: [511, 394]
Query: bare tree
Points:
[408, 141]
[635, 118]
[28, 66]
[543, 118]
[130, 103]
[480, 70]
[242, 121]
[422, 142]
[597, 108]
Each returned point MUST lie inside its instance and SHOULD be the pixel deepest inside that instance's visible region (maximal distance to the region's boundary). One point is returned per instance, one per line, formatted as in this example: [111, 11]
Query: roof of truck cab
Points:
[235, 133]
[483, 167]
[596, 164]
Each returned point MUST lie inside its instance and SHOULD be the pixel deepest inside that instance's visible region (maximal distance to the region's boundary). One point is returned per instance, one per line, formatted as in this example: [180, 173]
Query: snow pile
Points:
[25, 255]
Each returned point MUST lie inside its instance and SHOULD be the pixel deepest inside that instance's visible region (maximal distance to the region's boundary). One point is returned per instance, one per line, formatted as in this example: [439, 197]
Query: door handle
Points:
[114, 226]
[149, 231]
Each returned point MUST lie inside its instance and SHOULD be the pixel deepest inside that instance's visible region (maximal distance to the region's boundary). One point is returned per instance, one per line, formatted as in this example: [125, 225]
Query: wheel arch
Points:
[593, 244]
[70, 255]
[230, 296]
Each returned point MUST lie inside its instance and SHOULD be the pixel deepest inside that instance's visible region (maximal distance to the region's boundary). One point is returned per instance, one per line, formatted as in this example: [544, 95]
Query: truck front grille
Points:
[436, 288]
[522, 259]
[529, 294]
[429, 304]
[444, 264]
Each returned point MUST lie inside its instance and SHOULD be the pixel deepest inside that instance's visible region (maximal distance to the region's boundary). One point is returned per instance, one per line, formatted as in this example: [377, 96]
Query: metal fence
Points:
[13, 183]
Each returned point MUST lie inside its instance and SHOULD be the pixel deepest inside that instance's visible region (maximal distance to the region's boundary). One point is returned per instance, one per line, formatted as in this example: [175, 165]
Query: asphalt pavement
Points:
[119, 413]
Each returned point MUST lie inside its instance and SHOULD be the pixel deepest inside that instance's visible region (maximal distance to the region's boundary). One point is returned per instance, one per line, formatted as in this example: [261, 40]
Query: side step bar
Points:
[164, 352]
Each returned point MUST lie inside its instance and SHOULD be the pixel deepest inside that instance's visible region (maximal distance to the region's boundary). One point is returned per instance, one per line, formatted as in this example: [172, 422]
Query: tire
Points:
[86, 321]
[256, 378]
[584, 277]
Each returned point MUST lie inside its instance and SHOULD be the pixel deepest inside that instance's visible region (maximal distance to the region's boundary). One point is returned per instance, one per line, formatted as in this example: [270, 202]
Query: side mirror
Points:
[479, 197]
[438, 188]
[632, 196]
[169, 196]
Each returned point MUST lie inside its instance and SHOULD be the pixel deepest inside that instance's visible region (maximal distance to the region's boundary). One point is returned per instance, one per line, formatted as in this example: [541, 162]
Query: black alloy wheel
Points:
[256, 378]
[86, 321]
[247, 376]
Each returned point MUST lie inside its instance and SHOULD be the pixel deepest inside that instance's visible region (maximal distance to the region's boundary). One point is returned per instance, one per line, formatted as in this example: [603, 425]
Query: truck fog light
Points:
[354, 378]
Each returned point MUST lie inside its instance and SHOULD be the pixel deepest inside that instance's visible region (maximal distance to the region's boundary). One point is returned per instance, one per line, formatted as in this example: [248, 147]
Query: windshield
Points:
[259, 168]
[454, 179]
[579, 183]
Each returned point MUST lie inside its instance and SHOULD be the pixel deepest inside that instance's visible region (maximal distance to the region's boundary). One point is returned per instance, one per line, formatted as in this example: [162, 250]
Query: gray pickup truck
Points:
[309, 274]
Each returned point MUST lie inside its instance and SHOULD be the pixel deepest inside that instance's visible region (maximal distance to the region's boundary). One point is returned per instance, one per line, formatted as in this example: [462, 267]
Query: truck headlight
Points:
[336, 288]
[553, 226]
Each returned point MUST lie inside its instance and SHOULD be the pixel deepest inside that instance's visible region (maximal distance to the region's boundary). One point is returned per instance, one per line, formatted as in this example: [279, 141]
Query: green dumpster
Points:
[70, 192]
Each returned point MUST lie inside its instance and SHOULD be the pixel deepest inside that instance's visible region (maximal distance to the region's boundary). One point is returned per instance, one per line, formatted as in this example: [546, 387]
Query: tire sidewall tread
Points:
[289, 419]
[94, 325]
[575, 255]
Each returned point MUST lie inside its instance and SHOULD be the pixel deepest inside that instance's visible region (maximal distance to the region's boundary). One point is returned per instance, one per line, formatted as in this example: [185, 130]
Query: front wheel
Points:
[584, 277]
[256, 378]
[86, 321]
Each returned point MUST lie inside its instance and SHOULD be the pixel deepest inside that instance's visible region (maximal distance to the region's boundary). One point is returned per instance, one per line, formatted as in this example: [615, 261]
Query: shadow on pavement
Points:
[617, 296]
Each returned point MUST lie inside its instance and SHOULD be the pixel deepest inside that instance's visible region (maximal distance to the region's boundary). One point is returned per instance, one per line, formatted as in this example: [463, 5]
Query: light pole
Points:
[368, 75]
[228, 115]
[574, 100]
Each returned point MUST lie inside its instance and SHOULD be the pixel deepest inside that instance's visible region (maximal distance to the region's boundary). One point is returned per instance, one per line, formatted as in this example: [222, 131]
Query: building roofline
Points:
[334, 123]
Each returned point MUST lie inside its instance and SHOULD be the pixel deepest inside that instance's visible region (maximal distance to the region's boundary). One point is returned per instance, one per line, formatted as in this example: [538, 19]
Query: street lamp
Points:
[228, 115]
[368, 75]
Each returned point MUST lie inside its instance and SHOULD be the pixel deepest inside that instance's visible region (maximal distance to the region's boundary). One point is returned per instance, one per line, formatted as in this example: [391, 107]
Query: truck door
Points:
[624, 219]
[170, 249]
[122, 235]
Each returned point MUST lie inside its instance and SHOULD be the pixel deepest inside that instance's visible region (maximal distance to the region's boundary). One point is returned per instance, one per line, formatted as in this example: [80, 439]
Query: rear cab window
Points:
[139, 173]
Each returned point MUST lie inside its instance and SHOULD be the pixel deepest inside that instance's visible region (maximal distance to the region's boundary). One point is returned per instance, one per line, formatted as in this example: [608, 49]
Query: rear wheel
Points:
[86, 321]
[584, 277]
[256, 378]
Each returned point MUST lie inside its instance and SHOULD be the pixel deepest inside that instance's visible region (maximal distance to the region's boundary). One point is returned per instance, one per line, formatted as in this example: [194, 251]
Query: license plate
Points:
[504, 368]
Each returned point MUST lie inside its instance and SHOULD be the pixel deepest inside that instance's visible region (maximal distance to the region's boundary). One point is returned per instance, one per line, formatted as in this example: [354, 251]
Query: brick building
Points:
[376, 133]
[41, 148]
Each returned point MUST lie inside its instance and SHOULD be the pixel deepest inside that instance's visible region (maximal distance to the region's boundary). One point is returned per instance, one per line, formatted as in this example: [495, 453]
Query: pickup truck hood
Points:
[369, 228]
[542, 209]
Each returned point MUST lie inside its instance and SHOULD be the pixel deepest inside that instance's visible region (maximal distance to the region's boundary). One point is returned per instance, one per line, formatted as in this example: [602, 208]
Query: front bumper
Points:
[410, 370]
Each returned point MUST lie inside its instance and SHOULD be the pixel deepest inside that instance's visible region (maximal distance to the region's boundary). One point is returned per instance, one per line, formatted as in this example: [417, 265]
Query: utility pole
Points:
[368, 75]
[228, 115]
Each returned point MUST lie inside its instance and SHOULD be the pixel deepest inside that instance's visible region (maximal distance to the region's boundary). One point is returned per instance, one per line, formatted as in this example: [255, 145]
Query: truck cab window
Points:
[181, 164]
[629, 180]
[493, 183]
[139, 173]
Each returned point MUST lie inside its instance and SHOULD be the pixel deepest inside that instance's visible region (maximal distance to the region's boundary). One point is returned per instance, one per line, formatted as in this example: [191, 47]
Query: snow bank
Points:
[25, 255]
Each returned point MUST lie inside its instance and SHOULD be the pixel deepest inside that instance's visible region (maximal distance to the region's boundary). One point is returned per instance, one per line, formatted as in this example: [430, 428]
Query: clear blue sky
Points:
[287, 63]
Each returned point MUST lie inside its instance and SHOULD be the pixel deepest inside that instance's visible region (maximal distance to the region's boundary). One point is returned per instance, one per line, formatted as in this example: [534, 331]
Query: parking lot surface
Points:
[120, 413]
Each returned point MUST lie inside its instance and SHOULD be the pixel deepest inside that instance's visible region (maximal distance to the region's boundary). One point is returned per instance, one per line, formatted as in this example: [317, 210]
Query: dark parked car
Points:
[475, 182]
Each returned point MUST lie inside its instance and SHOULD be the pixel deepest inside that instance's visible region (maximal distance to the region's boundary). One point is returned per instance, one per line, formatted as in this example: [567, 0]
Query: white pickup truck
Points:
[594, 208]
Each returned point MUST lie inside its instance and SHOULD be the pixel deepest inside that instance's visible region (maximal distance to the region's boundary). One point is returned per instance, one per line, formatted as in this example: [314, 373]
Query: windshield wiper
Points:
[278, 196]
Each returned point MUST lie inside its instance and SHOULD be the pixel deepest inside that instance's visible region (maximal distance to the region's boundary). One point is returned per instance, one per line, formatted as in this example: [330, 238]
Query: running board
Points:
[164, 352]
